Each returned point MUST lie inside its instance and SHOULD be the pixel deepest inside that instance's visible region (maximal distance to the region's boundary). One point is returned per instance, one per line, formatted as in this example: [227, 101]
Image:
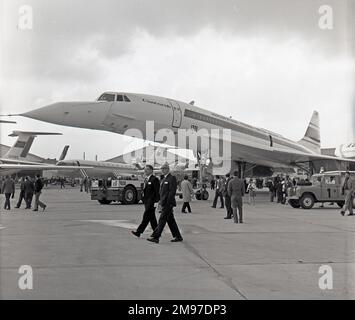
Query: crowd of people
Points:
[278, 188]
[29, 188]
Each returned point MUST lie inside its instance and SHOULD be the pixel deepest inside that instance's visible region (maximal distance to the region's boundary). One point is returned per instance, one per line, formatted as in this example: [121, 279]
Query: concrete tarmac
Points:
[79, 249]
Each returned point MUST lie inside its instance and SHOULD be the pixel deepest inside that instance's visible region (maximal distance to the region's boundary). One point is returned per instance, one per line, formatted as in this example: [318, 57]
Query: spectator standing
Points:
[8, 188]
[187, 192]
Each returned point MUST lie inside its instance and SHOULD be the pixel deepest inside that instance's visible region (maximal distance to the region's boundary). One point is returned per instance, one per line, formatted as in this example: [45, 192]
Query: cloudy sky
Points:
[266, 63]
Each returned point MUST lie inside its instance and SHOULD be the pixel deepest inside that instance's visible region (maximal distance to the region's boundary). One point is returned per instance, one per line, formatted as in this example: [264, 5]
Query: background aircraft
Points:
[15, 161]
[346, 151]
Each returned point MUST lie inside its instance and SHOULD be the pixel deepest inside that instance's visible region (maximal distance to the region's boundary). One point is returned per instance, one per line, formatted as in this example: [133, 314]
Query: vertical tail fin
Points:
[64, 153]
[311, 139]
[23, 143]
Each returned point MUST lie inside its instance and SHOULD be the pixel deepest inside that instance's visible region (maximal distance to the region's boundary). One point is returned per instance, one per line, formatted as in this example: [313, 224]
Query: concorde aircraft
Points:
[119, 111]
[16, 161]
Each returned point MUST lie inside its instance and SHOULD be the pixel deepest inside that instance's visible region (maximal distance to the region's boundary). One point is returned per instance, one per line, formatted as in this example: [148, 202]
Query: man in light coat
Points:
[348, 189]
[22, 193]
[187, 192]
[236, 190]
[8, 188]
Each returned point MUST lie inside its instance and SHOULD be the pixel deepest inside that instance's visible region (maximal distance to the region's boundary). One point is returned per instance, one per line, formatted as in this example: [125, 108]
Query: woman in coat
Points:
[187, 191]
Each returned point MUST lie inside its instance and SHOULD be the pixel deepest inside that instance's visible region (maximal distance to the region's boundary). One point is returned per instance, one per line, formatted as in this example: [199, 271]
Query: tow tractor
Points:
[127, 190]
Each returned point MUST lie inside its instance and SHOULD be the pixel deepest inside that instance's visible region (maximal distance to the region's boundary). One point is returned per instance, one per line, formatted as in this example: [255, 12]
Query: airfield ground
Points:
[79, 249]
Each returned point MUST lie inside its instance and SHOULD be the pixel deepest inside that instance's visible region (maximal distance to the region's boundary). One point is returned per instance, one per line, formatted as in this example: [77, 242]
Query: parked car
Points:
[322, 187]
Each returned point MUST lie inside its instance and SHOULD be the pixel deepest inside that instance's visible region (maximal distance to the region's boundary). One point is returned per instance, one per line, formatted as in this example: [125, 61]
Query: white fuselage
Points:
[118, 116]
[98, 169]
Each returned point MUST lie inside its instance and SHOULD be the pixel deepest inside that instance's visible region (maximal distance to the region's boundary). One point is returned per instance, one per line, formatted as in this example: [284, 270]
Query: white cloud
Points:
[261, 79]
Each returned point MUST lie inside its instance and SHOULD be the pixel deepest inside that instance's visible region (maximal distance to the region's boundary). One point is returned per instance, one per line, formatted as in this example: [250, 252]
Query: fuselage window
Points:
[107, 97]
[119, 97]
[271, 142]
[126, 99]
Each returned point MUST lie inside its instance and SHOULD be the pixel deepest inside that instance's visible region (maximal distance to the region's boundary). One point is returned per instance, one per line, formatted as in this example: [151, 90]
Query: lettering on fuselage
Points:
[157, 103]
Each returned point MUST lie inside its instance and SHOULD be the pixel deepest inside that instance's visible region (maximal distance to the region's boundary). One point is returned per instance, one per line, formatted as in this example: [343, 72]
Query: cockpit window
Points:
[121, 98]
[107, 97]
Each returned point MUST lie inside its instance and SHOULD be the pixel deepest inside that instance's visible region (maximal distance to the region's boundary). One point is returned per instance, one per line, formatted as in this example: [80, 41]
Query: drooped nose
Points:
[75, 114]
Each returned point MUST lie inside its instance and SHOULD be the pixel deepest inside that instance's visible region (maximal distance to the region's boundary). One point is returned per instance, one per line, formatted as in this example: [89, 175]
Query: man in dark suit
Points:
[236, 191]
[227, 198]
[150, 197]
[29, 191]
[168, 187]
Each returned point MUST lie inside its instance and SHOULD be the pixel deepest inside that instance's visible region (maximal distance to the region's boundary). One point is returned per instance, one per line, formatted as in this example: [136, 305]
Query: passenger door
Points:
[177, 114]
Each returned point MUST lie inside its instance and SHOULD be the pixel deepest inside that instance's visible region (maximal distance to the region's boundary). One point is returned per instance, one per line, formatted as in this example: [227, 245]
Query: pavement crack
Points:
[228, 281]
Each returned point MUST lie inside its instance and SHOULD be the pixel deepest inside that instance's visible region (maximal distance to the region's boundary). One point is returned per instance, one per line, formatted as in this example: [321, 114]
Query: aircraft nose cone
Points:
[78, 114]
[52, 113]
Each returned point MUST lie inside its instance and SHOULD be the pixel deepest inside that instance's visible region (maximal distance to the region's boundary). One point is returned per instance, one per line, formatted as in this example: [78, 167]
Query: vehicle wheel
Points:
[129, 195]
[198, 195]
[294, 203]
[340, 204]
[205, 195]
[307, 201]
[104, 201]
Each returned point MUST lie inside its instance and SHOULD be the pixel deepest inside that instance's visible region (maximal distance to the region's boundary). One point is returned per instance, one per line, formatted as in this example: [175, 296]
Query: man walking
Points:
[150, 197]
[8, 188]
[219, 192]
[187, 191]
[271, 187]
[227, 198]
[29, 191]
[22, 193]
[236, 190]
[348, 189]
[167, 201]
[38, 191]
